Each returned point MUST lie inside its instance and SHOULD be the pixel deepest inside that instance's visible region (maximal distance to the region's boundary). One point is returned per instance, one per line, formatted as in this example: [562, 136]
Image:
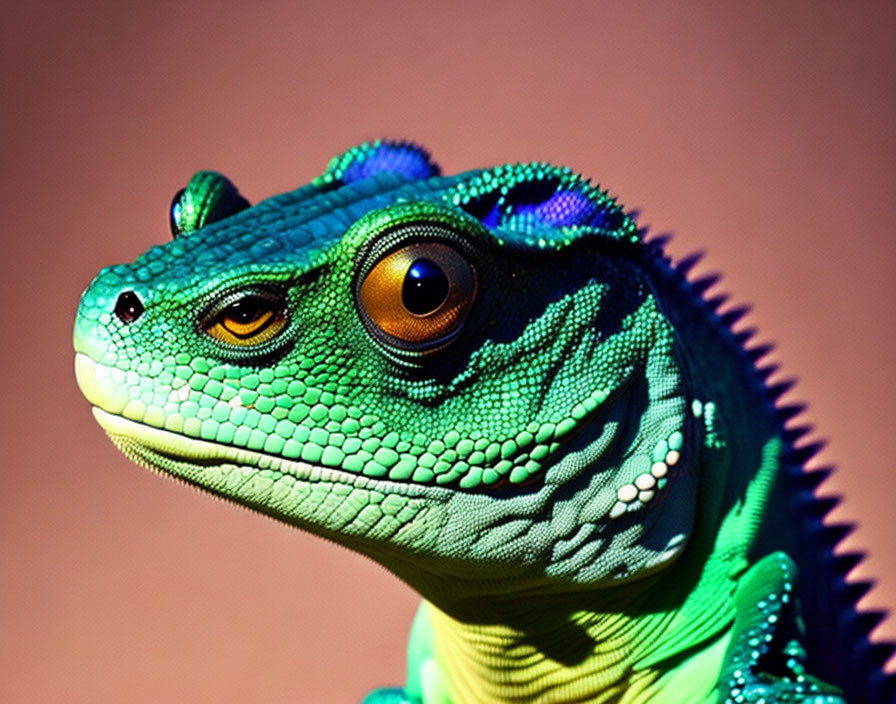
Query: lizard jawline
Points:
[186, 458]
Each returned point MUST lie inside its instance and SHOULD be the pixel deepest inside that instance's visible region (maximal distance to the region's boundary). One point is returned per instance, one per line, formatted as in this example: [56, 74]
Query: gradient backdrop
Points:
[763, 134]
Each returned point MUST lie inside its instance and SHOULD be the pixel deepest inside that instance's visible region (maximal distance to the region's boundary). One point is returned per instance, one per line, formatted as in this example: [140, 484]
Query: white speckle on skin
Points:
[645, 482]
[626, 493]
[180, 394]
[617, 510]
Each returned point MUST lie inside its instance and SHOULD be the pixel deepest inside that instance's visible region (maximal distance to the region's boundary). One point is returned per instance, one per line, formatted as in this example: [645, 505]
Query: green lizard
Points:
[498, 387]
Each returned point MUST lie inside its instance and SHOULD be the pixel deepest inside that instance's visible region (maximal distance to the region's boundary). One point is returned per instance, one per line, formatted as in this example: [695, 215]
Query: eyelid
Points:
[253, 334]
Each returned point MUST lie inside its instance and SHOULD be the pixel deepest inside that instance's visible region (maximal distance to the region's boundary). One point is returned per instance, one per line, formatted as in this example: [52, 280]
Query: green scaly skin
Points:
[573, 471]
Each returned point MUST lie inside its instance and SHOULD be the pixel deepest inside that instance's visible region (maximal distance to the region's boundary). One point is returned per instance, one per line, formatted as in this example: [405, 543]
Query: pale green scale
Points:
[372, 468]
[676, 440]
[404, 469]
[352, 445]
[241, 435]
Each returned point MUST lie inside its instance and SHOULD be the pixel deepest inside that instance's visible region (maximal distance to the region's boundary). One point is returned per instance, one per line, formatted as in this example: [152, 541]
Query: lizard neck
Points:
[636, 642]
[620, 644]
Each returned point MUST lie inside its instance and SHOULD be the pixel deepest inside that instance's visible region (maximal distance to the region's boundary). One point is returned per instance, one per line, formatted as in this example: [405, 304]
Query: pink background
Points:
[763, 133]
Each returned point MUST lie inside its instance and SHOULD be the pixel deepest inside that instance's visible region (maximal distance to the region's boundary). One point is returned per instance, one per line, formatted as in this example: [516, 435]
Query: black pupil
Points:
[128, 307]
[425, 287]
[245, 311]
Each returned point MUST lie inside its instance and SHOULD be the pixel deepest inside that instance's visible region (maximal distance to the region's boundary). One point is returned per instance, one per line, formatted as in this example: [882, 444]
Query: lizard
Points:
[499, 387]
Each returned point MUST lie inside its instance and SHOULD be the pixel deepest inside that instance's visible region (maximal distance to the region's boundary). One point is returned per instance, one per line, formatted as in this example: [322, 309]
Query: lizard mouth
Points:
[192, 459]
[220, 467]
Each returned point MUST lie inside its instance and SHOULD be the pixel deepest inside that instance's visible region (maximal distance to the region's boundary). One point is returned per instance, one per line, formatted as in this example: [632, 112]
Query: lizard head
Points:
[468, 378]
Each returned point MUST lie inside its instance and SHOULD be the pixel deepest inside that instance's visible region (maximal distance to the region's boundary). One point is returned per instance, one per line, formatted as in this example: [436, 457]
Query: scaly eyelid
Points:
[225, 328]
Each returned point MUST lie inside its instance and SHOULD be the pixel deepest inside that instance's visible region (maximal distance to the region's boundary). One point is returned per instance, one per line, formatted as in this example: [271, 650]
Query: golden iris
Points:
[250, 320]
[420, 293]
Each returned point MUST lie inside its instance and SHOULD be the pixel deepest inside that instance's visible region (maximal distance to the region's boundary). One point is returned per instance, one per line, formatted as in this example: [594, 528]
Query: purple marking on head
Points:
[492, 218]
[562, 208]
[405, 159]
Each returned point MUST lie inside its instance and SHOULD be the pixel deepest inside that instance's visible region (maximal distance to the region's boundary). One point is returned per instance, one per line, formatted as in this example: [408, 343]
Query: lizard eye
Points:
[207, 198]
[248, 319]
[419, 295]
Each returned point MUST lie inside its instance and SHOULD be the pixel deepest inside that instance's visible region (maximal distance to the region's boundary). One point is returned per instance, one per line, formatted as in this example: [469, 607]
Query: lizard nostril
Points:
[128, 307]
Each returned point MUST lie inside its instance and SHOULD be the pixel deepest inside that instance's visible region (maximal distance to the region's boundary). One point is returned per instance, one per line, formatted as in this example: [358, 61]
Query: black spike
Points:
[701, 285]
[730, 317]
[780, 388]
[813, 479]
[654, 249]
[819, 507]
[685, 265]
[851, 592]
[765, 372]
[845, 562]
[758, 352]
[802, 454]
[743, 336]
[716, 302]
[786, 413]
[878, 655]
[866, 621]
[660, 240]
[834, 534]
[791, 435]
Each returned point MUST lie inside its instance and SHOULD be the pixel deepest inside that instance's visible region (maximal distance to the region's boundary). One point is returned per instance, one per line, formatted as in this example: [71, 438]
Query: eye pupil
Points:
[244, 311]
[416, 298]
[425, 287]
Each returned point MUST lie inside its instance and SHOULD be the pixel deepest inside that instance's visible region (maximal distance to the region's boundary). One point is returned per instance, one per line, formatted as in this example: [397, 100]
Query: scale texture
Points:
[497, 386]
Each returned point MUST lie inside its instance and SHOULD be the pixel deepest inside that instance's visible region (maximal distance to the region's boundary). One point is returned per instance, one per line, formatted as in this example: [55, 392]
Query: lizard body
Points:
[497, 387]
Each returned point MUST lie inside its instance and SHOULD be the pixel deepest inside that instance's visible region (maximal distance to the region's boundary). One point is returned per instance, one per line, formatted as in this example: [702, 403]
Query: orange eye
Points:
[419, 294]
[250, 320]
